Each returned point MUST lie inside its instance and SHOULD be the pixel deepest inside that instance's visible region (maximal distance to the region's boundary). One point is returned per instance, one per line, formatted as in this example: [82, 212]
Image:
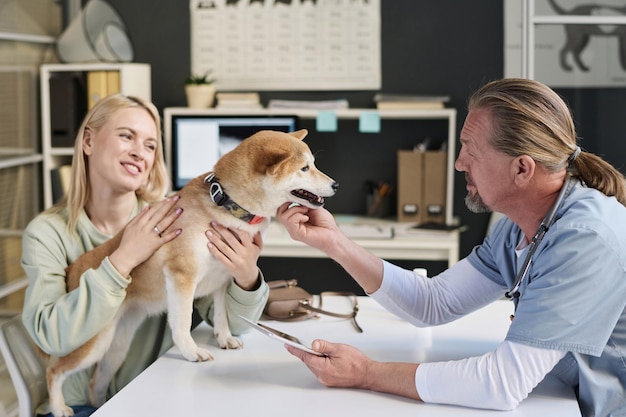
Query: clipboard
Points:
[281, 336]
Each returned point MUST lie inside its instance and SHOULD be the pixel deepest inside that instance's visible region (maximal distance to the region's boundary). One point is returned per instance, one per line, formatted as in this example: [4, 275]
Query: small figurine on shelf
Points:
[200, 90]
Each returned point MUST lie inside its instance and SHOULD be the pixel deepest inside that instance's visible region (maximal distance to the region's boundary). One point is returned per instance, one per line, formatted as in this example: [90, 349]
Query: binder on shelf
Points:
[101, 84]
[96, 87]
[113, 82]
[68, 105]
[434, 175]
[60, 178]
[409, 186]
[422, 186]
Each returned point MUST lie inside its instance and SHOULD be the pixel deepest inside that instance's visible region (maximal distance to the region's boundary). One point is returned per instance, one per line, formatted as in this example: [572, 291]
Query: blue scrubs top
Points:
[574, 295]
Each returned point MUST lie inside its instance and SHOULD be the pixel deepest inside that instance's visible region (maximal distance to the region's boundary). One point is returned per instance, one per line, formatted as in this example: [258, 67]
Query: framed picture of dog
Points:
[578, 43]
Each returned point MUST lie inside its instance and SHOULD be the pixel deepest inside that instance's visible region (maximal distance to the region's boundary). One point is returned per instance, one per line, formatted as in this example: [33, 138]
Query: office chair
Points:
[26, 367]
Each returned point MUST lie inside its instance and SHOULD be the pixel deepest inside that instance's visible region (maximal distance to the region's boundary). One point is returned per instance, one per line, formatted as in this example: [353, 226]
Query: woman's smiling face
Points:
[121, 153]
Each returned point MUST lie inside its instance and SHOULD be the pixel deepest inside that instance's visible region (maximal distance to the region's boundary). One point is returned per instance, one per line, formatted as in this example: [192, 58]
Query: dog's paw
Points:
[62, 411]
[198, 355]
[230, 342]
[203, 355]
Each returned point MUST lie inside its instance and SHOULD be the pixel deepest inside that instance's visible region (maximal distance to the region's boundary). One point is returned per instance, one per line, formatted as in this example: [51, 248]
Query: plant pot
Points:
[200, 95]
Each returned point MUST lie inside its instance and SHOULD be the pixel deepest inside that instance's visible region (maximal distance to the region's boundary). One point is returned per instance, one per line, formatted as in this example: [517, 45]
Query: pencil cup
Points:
[377, 205]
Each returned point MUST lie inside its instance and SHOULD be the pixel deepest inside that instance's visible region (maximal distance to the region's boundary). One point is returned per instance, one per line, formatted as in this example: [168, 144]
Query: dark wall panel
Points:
[439, 47]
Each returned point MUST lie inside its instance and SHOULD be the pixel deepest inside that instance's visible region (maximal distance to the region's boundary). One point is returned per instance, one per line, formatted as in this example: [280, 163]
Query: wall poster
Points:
[287, 44]
[569, 55]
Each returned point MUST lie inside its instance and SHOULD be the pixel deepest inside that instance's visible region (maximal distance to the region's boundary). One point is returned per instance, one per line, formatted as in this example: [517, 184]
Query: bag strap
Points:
[355, 309]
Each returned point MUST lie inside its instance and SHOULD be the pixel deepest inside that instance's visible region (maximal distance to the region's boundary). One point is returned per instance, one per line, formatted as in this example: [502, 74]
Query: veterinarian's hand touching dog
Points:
[315, 227]
[238, 251]
[144, 234]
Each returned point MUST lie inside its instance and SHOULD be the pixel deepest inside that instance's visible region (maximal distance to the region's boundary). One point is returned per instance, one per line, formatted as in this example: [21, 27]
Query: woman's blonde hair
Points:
[529, 118]
[78, 193]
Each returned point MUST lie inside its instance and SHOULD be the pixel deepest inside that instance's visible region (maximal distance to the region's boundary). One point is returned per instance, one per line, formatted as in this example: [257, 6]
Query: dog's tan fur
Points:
[259, 175]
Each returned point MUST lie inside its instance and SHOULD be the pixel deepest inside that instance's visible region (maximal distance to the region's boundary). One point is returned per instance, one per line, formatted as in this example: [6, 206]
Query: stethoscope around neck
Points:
[514, 293]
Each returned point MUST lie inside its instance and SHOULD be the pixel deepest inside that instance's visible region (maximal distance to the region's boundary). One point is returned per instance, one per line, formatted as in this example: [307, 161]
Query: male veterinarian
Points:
[559, 254]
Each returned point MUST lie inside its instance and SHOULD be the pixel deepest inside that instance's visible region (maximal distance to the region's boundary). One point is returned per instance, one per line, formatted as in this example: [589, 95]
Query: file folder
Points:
[422, 186]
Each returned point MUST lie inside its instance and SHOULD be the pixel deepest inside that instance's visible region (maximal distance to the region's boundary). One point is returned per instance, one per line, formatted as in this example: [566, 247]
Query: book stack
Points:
[409, 102]
[309, 104]
[238, 101]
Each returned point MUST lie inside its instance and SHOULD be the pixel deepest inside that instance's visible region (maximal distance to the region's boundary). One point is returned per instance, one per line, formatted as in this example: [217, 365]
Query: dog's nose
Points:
[335, 186]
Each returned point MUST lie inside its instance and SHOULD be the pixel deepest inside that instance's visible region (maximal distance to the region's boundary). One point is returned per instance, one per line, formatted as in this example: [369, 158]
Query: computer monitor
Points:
[198, 141]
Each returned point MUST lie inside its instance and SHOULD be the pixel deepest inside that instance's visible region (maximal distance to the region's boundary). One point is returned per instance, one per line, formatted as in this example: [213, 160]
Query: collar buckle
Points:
[215, 190]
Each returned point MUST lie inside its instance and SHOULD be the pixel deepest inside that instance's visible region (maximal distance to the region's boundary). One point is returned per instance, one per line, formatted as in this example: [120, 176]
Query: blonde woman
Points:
[119, 180]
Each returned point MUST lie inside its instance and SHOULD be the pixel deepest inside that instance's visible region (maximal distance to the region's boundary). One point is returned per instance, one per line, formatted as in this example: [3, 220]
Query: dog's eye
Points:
[305, 169]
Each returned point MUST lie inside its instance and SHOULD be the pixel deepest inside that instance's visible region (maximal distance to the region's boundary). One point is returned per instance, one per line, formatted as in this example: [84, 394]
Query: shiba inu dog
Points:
[243, 192]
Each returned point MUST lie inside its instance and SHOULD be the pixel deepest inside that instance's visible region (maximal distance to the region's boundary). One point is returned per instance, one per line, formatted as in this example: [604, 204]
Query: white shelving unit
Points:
[20, 164]
[426, 245]
[135, 79]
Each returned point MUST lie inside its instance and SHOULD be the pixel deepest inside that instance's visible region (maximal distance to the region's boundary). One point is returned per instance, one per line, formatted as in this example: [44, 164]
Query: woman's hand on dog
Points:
[238, 252]
[145, 234]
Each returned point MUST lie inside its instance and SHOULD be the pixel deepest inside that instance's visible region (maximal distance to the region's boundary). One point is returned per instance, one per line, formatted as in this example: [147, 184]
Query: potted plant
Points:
[200, 90]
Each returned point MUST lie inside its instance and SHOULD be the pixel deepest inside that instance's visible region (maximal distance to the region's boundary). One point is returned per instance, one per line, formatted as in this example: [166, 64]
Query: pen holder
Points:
[377, 206]
[377, 199]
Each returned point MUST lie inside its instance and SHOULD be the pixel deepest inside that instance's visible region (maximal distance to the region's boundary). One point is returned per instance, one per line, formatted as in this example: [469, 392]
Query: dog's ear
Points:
[299, 134]
[272, 162]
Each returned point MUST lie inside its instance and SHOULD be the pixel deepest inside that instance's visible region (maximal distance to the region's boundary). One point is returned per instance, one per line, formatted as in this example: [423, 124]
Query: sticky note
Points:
[369, 122]
[326, 121]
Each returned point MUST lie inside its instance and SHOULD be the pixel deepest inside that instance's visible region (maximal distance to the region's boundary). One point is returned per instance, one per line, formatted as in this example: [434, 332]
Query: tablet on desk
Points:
[280, 336]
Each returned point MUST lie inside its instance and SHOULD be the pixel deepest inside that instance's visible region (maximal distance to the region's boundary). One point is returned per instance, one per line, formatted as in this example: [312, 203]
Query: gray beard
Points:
[475, 204]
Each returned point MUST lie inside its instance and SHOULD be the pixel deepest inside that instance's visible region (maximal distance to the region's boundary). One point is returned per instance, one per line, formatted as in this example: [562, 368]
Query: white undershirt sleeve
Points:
[424, 301]
[498, 380]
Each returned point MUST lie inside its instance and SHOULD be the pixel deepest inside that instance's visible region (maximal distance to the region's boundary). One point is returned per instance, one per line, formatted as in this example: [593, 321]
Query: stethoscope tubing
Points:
[514, 293]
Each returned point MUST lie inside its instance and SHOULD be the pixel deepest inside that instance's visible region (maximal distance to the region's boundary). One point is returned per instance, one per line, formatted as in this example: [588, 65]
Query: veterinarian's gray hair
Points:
[157, 184]
[529, 118]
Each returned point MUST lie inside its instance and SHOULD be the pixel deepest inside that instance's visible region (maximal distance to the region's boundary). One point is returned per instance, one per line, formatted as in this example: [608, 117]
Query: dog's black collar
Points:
[220, 198]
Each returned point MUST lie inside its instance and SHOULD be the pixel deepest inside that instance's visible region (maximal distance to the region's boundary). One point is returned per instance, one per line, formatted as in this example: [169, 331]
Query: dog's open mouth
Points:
[315, 200]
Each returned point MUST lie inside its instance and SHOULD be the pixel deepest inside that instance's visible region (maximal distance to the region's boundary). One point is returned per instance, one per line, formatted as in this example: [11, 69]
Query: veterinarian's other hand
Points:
[238, 251]
[146, 233]
[343, 366]
[315, 227]
[347, 367]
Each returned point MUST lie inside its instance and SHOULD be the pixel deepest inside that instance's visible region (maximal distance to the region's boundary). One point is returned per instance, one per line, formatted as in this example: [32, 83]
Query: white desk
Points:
[417, 245]
[263, 379]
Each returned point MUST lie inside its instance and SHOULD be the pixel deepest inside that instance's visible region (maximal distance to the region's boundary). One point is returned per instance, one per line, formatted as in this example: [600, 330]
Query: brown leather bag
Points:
[289, 302]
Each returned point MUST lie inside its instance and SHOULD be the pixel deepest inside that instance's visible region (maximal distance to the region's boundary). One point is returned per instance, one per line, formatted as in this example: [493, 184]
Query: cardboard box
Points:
[422, 187]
